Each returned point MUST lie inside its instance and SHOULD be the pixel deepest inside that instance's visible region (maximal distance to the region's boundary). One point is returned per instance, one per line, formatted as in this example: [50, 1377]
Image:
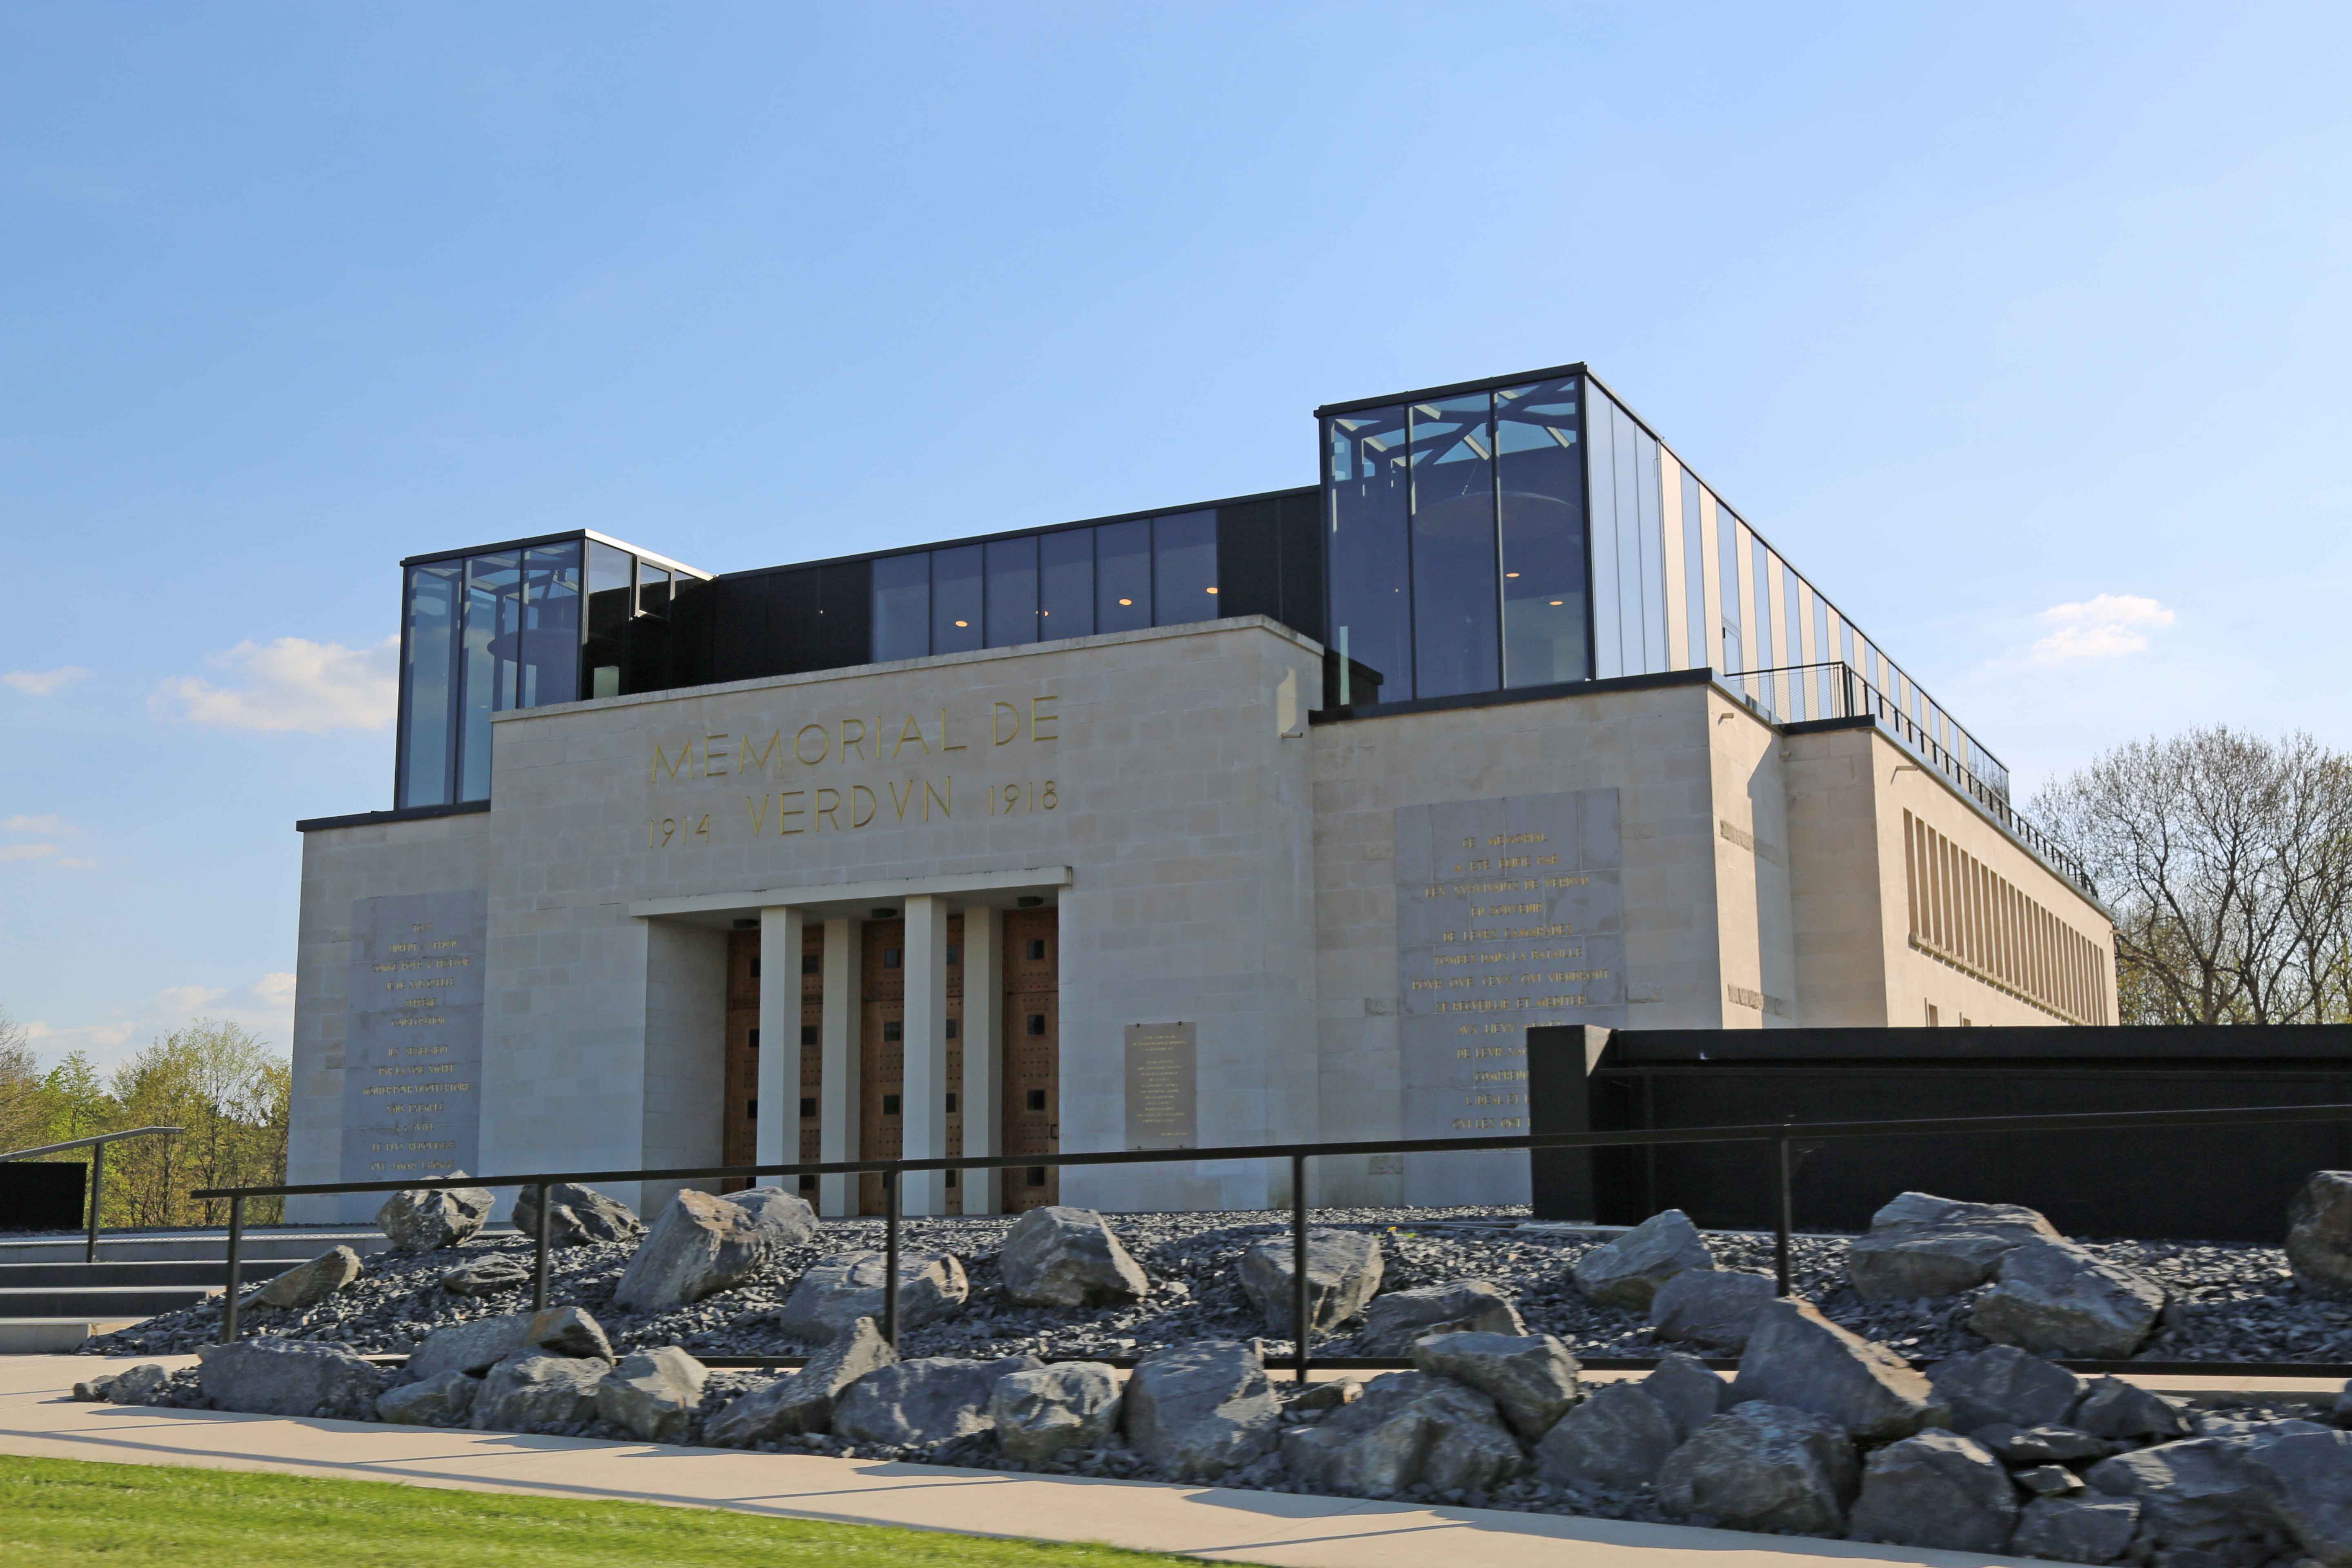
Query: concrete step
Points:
[87, 1301]
[284, 1244]
[52, 1336]
[198, 1272]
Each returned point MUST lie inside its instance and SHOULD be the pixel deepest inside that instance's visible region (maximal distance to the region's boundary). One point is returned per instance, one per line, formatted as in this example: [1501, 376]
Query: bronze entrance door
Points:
[739, 1130]
[1032, 1055]
[882, 1123]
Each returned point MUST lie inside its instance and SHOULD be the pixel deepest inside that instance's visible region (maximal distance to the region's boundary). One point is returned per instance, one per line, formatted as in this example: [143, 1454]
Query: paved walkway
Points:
[37, 1417]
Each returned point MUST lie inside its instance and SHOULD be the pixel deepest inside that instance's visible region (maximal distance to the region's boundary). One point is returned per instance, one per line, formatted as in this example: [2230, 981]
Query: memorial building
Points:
[1268, 819]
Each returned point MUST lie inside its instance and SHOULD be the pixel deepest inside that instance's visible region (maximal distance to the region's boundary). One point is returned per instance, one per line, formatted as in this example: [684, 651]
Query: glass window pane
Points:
[1371, 627]
[1727, 528]
[956, 595]
[653, 589]
[610, 575]
[1631, 624]
[1065, 573]
[1540, 482]
[1608, 610]
[1011, 592]
[427, 684]
[492, 626]
[1451, 455]
[1653, 554]
[1702, 636]
[1123, 576]
[550, 630]
[902, 606]
[1183, 568]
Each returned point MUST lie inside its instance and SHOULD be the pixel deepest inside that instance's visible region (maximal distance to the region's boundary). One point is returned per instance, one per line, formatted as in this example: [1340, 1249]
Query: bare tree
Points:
[2227, 859]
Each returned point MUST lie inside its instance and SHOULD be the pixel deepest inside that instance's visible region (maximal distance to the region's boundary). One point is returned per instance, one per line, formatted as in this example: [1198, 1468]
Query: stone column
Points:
[984, 1077]
[839, 1097]
[779, 1121]
[923, 1109]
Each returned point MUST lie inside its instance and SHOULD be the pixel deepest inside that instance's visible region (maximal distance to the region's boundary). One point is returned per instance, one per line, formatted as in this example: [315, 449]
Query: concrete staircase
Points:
[50, 1300]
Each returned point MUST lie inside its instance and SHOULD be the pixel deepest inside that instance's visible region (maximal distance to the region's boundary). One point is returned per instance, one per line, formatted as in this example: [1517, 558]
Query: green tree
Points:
[78, 1105]
[222, 1085]
[23, 1106]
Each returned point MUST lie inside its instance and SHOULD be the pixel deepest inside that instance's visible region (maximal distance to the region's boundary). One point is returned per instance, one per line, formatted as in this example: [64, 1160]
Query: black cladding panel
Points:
[792, 621]
[1270, 559]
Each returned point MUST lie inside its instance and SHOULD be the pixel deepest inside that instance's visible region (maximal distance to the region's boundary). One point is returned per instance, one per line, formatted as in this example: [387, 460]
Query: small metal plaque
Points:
[1162, 1086]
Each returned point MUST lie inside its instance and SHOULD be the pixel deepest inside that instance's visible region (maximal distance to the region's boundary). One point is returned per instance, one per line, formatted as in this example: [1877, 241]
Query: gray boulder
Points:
[2304, 1472]
[1063, 1256]
[423, 1219]
[2111, 1407]
[488, 1275]
[1040, 1412]
[2197, 1495]
[915, 1403]
[1795, 1357]
[2057, 1299]
[479, 1345]
[136, 1385]
[1691, 1394]
[1343, 1272]
[2047, 1480]
[444, 1401]
[1921, 1245]
[1198, 1410]
[2040, 1445]
[1409, 1429]
[802, 1402]
[1532, 1378]
[308, 1284]
[2004, 1385]
[1393, 1321]
[530, 1389]
[1710, 1308]
[271, 1377]
[577, 1216]
[1628, 1271]
[2319, 1235]
[2076, 1528]
[651, 1394]
[834, 1292]
[1763, 1467]
[1618, 1437]
[1328, 1396]
[702, 1245]
[1935, 1490]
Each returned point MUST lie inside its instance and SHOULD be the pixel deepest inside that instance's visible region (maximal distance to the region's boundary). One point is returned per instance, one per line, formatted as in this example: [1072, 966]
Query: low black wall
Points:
[2211, 1183]
[42, 1196]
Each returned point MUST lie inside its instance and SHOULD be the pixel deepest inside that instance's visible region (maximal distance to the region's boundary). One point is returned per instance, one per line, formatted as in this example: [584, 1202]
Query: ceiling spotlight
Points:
[1556, 601]
[1127, 601]
[1510, 574]
[1212, 590]
[963, 623]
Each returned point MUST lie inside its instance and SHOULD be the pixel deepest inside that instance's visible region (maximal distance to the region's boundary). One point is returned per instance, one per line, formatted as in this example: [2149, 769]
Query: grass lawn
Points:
[55, 1512]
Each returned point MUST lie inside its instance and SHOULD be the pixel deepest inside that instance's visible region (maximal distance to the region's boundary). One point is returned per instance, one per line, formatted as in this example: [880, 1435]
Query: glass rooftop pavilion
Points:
[1511, 538]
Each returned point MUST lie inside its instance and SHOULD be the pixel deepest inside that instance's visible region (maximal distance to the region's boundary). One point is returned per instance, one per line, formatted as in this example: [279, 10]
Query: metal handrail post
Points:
[1301, 1325]
[236, 1269]
[1784, 1213]
[539, 1264]
[97, 1190]
[890, 1259]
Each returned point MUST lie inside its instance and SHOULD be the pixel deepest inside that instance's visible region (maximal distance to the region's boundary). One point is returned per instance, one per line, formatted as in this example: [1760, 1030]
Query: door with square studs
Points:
[1033, 1054]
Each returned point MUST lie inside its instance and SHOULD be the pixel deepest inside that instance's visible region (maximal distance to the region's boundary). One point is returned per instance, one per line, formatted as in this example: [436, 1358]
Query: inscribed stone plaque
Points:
[1511, 913]
[1162, 1086]
[413, 1054]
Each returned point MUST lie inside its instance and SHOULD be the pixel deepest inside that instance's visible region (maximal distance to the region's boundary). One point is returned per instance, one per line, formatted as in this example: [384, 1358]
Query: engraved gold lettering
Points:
[758, 812]
[849, 742]
[996, 723]
[710, 756]
[901, 801]
[911, 728]
[825, 811]
[662, 761]
[783, 811]
[870, 802]
[749, 761]
[931, 794]
[944, 747]
[1038, 718]
[823, 742]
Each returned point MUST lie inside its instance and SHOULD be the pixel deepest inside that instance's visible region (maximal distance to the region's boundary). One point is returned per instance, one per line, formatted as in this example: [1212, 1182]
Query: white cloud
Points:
[77, 863]
[35, 824]
[44, 682]
[28, 851]
[265, 1006]
[275, 990]
[2108, 626]
[189, 998]
[291, 684]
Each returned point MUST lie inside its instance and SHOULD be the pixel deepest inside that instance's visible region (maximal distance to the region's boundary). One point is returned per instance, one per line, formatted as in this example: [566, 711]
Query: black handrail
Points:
[97, 1147]
[1781, 1136]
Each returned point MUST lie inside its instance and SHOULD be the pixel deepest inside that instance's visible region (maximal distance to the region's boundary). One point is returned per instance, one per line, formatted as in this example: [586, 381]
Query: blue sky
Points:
[2021, 329]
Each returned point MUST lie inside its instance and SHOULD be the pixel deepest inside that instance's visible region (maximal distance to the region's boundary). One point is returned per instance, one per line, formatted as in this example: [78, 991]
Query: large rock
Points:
[422, 1219]
[915, 1403]
[801, 1402]
[1627, 1273]
[2111, 1407]
[529, 1389]
[1409, 1429]
[2003, 1385]
[1039, 1412]
[1618, 1437]
[1763, 1467]
[488, 1275]
[2076, 1528]
[653, 1395]
[577, 1216]
[1198, 1410]
[1691, 1394]
[834, 1292]
[1393, 1321]
[2198, 1495]
[2319, 1235]
[135, 1385]
[702, 1245]
[1921, 1245]
[1343, 1272]
[1062, 1256]
[271, 1376]
[2305, 1472]
[1710, 1308]
[1532, 1378]
[308, 1284]
[444, 1401]
[1797, 1357]
[2042, 1444]
[1935, 1490]
[479, 1345]
[2057, 1299]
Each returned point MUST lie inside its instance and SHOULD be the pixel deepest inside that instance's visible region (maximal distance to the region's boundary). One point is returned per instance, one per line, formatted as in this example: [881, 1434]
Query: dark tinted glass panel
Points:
[493, 621]
[609, 571]
[1540, 482]
[1011, 592]
[1371, 623]
[550, 629]
[428, 684]
[1183, 568]
[653, 589]
[1065, 576]
[956, 599]
[1454, 606]
[1123, 576]
[902, 606]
